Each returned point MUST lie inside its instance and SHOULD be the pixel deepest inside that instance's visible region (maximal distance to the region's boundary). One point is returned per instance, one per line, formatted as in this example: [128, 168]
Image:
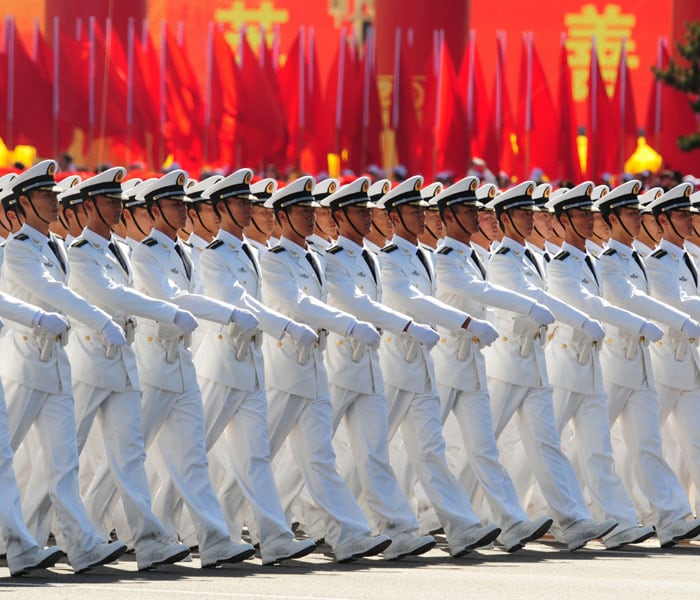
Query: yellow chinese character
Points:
[608, 28]
[265, 16]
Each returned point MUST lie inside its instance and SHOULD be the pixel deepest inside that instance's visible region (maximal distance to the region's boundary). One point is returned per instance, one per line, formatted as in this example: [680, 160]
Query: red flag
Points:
[366, 149]
[73, 82]
[146, 97]
[623, 104]
[603, 126]
[444, 121]
[536, 123]
[28, 122]
[669, 116]
[260, 126]
[472, 91]
[500, 143]
[183, 108]
[568, 165]
[404, 120]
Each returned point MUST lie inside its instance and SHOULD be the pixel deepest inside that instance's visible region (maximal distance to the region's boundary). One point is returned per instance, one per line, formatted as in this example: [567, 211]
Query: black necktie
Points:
[533, 260]
[638, 260]
[57, 253]
[424, 259]
[691, 267]
[547, 257]
[315, 266]
[589, 262]
[370, 263]
[120, 257]
[185, 260]
[249, 254]
[477, 262]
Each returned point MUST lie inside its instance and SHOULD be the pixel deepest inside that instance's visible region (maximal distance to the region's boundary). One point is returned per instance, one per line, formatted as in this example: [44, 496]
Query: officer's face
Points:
[303, 219]
[325, 222]
[383, 221]
[263, 217]
[652, 226]
[523, 220]
[631, 218]
[174, 210]
[488, 223]
[241, 210]
[413, 219]
[600, 227]
[543, 223]
[359, 216]
[208, 216]
[142, 218]
[582, 220]
[434, 223]
[110, 209]
[683, 222]
[467, 216]
[45, 203]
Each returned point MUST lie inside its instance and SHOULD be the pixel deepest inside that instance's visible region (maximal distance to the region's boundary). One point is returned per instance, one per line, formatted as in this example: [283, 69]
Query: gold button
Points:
[443, 341]
[87, 338]
[563, 346]
[305, 288]
[339, 342]
[475, 339]
[149, 339]
[660, 343]
[505, 338]
[388, 340]
[221, 337]
[609, 340]
[25, 338]
[550, 336]
[279, 344]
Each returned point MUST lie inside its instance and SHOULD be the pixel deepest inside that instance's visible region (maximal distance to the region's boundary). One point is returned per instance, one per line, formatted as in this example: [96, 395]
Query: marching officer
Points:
[35, 369]
[382, 229]
[262, 219]
[299, 407]
[172, 406]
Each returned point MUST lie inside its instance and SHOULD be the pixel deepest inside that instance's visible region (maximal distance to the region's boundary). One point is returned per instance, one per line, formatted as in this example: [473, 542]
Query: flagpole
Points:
[593, 167]
[208, 90]
[339, 90]
[369, 53]
[163, 71]
[56, 75]
[302, 87]
[130, 88]
[10, 37]
[660, 44]
[91, 85]
[528, 104]
[623, 102]
[470, 95]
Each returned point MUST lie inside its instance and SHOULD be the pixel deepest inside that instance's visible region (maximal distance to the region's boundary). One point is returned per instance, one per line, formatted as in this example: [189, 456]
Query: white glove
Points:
[541, 314]
[691, 328]
[244, 318]
[114, 334]
[483, 330]
[424, 334]
[651, 332]
[53, 323]
[593, 329]
[300, 333]
[185, 320]
[365, 333]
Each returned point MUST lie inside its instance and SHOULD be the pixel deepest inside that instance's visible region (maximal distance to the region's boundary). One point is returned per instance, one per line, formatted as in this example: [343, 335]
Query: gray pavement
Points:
[541, 571]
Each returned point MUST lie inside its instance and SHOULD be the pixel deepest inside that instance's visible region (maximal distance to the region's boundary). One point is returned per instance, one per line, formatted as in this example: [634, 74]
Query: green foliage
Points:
[685, 76]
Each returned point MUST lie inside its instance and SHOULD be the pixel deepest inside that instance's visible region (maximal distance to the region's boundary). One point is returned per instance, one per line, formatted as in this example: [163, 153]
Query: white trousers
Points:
[15, 533]
[175, 422]
[417, 416]
[308, 426]
[540, 439]
[53, 418]
[588, 416]
[236, 428]
[472, 412]
[119, 417]
[679, 412]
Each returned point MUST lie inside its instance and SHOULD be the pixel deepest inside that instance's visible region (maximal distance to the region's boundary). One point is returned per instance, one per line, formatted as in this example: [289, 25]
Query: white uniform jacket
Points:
[33, 273]
[291, 286]
[675, 358]
[573, 361]
[625, 360]
[97, 275]
[409, 288]
[694, 251]
[517, 356]
[460, 283]
[352, 288]
[165, 361]
[227, 274]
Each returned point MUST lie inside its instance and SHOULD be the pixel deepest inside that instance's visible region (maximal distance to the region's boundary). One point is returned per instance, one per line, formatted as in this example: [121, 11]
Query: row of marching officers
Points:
[338, 375]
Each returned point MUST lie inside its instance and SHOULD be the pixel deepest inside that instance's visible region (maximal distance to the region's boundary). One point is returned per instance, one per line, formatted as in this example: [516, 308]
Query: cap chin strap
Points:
[431, 232]
[162, 214]
[99, 213]
[133, 218]
[291, 225]
[573, 227]
[378, 230]
[38, 216]
[254, 224]
[404, 224]
[616, 212]
[651, 237]
[349, 220]
[514, 226]
[670, 220]
[199, 218]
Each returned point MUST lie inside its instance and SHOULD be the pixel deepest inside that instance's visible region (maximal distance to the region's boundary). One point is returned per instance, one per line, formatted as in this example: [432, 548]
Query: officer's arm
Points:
[663, 281]
[280, 290]
[453, 279]
[17, 311]
[23, 267]
[343, 293]
[424, 309]
[151, 278]
[86, 274]
[220, 283]
[565, 282]
[620, 292]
